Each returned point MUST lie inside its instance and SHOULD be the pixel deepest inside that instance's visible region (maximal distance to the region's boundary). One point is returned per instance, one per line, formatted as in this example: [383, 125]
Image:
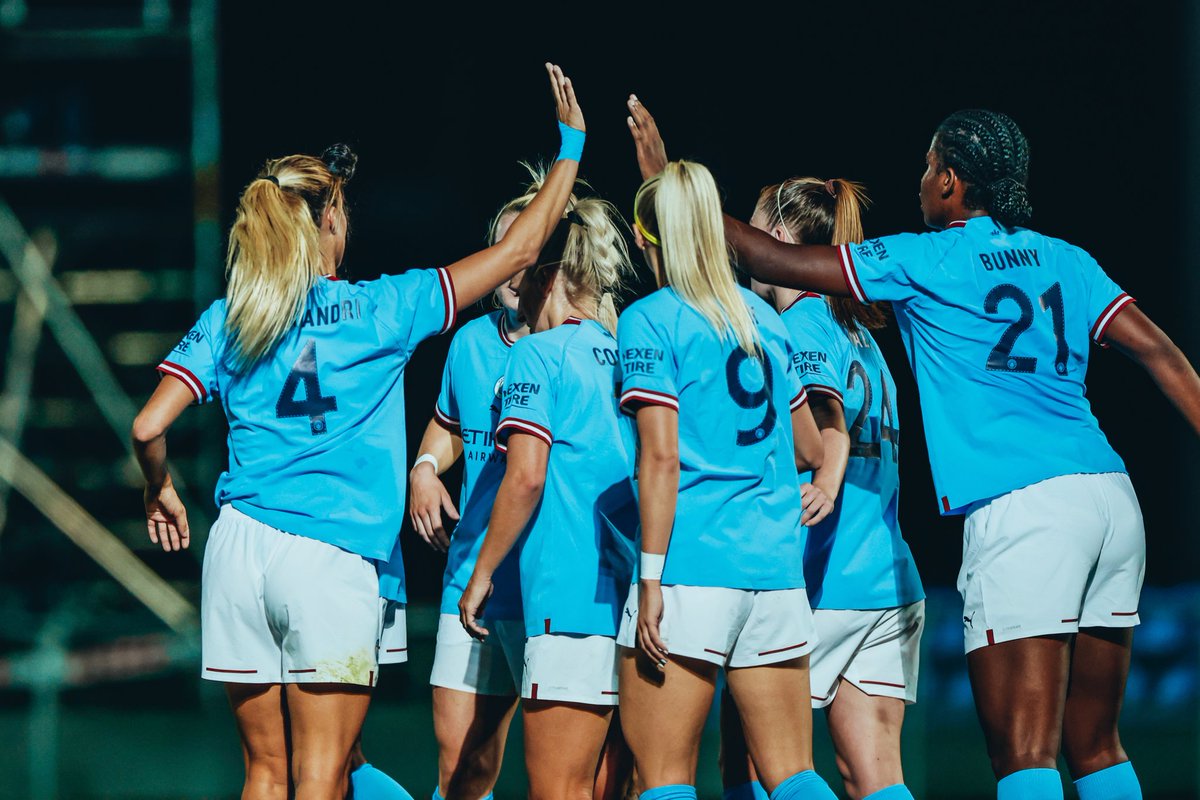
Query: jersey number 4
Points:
[1001, 358]
[313, 405]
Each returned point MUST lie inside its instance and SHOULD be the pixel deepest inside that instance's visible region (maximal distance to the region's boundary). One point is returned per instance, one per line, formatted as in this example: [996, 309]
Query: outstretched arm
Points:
[814, 268]
[480, 273]
[1136, 336]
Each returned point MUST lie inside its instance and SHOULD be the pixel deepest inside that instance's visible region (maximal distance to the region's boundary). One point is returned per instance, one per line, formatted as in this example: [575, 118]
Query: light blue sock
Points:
[1118, 782]
[806, 785]
[371, 784]
[897, 791]
[674, 791]
[752, 790]
[1030, 784]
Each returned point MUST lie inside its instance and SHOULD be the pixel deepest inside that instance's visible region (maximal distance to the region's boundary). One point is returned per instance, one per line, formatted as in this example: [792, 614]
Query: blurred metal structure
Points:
[102, 175]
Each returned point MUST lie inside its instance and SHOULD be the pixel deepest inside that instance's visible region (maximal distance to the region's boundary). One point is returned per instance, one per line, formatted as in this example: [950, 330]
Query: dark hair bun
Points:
[340, 160]
[1010, 203]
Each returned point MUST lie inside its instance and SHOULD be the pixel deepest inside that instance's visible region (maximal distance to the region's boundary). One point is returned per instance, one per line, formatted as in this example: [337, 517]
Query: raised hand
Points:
[651, 152]
[166, 518]
[569, 112]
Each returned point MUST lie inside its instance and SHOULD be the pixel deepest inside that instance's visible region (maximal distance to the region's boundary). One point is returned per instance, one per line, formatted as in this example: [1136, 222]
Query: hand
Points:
[166, 518]
[569, 112]
[816, 503]
[427, 499]
[650, 611]
[651, 152]
[470, 606]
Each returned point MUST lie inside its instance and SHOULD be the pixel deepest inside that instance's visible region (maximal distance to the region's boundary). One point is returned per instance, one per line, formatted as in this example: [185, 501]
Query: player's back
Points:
[316, 436]
[998, 324]
[577, 553]
[738, 513]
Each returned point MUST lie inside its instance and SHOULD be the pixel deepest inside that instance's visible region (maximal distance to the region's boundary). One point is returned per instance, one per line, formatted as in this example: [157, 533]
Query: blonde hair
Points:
[824, 212]
[274, 255]
[679, 211]
[594, 259]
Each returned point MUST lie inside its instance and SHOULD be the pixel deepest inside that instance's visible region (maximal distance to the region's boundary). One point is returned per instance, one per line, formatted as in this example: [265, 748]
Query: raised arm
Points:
[427, 495]
[478, 274]
[814, 268]
[166, 518]
[519, 493]
[1136, 336]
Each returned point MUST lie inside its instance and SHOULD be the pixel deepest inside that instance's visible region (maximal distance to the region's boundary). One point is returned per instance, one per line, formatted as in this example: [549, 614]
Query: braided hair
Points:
[991, 155]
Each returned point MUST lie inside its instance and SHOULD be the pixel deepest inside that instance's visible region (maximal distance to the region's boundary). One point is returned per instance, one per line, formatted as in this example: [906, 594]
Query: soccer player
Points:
[868, 605]
[567, 495]
[308, 371]
[997, 320]
[475, 682]
[723, 427]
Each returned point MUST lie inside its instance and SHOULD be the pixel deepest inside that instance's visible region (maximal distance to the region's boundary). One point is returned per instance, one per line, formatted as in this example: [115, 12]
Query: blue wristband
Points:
[572, 142]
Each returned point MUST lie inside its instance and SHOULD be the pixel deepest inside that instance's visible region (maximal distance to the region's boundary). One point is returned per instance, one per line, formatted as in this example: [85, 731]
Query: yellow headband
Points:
[637, 221]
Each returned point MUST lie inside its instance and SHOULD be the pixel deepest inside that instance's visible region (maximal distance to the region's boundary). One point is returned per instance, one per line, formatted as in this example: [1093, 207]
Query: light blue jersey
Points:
[469, 405]
[997, 325]
[577, 552]
[316, 428]
[737, 518]
[855, 558]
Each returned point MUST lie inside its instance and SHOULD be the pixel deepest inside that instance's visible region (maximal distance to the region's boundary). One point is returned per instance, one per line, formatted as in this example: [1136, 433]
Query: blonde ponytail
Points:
[679, 210]
[274, 254]
[606, 312]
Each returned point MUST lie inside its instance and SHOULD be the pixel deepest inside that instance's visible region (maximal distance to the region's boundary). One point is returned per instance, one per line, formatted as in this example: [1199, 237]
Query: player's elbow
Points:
[526, 483]
[146, 429]
[519, 249]
[809, 456]
[659, 460]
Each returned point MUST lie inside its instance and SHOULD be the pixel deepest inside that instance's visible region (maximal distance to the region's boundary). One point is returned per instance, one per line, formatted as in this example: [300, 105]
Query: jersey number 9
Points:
[759, 398]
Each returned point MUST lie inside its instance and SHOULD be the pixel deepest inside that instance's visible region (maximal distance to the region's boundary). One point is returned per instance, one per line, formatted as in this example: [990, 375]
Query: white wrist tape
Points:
[428, 457]
[651, 567]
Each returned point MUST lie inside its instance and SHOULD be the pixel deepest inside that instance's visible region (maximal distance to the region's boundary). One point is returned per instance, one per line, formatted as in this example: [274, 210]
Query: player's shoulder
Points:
[654, 305]
[807, 306]
[482, 328]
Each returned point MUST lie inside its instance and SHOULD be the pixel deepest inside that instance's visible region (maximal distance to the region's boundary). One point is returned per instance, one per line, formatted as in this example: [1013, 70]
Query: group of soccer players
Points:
[705, 484]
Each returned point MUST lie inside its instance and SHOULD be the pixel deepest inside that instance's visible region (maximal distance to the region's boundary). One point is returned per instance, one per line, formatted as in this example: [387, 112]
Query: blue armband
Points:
[572, 142]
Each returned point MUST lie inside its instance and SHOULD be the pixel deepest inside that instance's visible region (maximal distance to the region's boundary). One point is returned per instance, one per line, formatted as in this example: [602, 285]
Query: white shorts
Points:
[281, 608]
[570, 668]
[729, 627]
[1060, 555]
[492, 666]
[879, 651]
[393, 636]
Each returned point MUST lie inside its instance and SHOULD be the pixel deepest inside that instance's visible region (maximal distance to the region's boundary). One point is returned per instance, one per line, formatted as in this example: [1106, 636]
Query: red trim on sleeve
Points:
[445, 420]
[502, 329]
[799, 297]
[522, 426]
[850, 274]
[820, 388]
[648, 397]
[185, 375]
[1108, 315]
[450, 298]
[798, 402]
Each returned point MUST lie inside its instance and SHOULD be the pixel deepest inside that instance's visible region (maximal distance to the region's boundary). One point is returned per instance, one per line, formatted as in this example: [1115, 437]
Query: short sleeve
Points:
[796, 389]
[446, 410]
[647, 363]
[1105, 299]
[417, 304]
[528, 396]
[194, 360]
[888, 268]
[816, 349]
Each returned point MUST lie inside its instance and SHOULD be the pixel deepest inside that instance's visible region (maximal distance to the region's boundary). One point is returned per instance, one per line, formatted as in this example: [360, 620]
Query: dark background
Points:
[441, 106]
